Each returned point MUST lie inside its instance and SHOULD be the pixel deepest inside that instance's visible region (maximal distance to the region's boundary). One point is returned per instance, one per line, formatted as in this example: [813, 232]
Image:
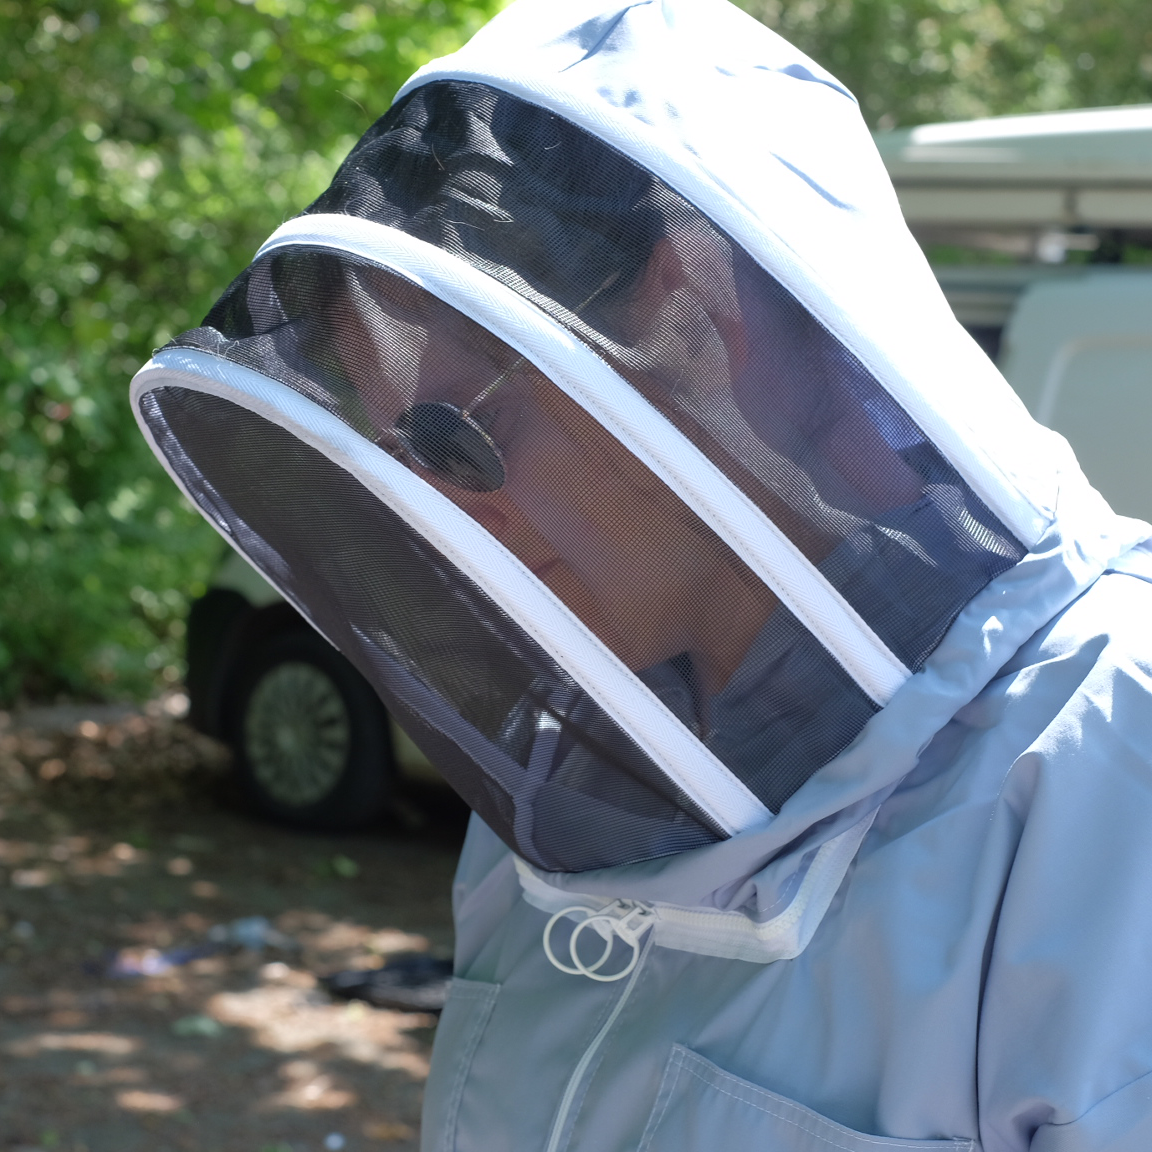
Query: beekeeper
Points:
[605, 414]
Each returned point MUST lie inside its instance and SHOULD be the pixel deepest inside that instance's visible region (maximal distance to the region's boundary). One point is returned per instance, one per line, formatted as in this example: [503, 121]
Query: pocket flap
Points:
[702, 1106]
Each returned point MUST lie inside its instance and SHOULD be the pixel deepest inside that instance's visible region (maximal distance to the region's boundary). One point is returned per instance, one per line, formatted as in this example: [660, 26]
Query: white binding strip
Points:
[211, 515]
[729, 935]
[628, 135]
[620, 409]
[511, 585]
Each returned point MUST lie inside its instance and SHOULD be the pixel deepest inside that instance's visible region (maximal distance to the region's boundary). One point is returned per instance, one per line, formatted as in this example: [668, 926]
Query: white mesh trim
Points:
[623, 412]
[942, 420]
[512, 586]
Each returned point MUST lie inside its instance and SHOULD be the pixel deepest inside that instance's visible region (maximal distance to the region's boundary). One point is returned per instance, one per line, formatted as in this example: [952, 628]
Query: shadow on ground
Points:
[121, 852]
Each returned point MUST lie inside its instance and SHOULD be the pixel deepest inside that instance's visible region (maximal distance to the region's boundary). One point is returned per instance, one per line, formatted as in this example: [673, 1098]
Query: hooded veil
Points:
[605, 415]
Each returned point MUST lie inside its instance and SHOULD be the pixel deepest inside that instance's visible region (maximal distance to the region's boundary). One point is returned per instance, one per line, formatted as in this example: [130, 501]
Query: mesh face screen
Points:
[714, 343]
[709, 337]
[614, 544]
[540, 762]
[610, 539]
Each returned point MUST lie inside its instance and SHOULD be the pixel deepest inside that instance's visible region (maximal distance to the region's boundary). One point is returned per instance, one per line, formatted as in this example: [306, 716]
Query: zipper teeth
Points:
[582, 1067]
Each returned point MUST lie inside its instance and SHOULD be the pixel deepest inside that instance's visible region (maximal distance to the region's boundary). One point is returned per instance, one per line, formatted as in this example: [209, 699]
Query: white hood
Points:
[749, 516]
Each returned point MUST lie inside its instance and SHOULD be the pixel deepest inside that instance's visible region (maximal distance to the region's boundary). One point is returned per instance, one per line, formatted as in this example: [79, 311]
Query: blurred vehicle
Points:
[313, 745]
[1040, 231]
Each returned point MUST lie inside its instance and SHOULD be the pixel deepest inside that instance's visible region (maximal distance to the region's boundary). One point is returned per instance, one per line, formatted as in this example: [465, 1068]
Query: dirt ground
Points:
[132, 1016]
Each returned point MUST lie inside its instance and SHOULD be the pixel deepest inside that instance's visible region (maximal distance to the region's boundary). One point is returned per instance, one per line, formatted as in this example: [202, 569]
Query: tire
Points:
[310, 738]
[213, 620]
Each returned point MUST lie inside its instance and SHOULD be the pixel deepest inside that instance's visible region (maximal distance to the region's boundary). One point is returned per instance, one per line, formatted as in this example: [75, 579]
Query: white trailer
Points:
[1048, 208]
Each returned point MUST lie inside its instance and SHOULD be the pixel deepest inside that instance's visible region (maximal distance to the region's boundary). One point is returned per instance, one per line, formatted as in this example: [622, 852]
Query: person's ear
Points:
[707, 278]
[662, 276]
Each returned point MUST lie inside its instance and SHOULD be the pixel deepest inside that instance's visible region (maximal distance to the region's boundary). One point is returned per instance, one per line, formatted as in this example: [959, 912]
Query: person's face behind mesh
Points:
[576, 507]
[608, 537]
[700, 326]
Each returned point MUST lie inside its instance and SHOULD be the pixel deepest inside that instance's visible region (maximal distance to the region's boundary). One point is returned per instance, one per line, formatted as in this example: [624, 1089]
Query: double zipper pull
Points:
[622, 919]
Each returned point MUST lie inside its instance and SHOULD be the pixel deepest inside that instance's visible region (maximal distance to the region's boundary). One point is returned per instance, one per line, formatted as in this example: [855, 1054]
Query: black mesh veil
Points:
[709, 338]
[464, 679]
[718, 351]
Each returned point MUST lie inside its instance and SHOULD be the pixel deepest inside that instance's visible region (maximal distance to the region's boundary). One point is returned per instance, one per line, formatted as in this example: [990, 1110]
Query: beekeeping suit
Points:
[604, 413]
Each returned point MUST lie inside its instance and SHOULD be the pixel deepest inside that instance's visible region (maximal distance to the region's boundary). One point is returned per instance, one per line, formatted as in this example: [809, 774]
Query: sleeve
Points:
[1065, 1045]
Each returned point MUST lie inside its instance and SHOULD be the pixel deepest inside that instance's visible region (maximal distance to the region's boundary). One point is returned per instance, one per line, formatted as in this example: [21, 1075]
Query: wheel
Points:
[212, 620]
[310, 737]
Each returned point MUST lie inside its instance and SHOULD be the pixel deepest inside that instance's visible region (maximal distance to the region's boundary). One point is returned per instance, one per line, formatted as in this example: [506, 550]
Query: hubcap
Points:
[297, 733]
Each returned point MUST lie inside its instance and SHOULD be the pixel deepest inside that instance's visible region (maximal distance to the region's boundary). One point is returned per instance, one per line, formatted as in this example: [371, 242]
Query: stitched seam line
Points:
[484, 998]
[593, 1067]
[667, 1086]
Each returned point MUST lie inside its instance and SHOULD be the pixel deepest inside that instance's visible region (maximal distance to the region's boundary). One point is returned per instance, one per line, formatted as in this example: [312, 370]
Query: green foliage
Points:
[913, 61]
[147, 147]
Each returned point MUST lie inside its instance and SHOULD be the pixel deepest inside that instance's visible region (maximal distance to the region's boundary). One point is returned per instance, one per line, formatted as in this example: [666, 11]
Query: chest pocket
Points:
[702, 1106]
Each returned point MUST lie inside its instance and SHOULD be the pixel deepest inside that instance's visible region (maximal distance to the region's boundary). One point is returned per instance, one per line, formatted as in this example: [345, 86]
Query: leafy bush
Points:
[147, 147]
[913, 61]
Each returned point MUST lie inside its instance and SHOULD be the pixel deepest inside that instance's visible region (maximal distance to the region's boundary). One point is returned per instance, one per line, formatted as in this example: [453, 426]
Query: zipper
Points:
[578, 1073]
[730, 935]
